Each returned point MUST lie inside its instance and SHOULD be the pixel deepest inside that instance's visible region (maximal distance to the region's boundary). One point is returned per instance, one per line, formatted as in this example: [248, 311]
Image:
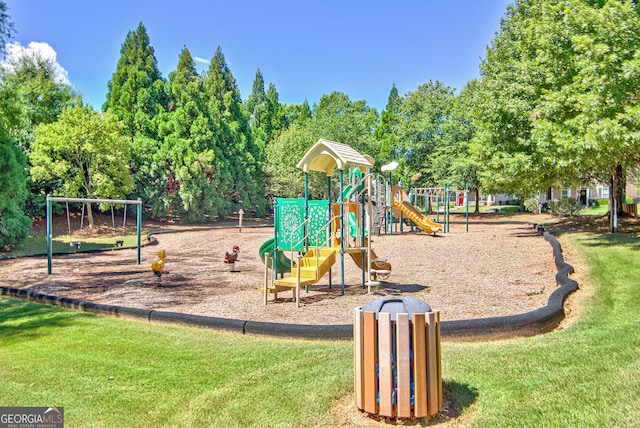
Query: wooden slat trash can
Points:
[397, 358]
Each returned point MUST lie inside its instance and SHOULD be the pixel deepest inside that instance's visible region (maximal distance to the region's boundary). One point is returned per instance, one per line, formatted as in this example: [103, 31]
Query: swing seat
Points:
[75, 245]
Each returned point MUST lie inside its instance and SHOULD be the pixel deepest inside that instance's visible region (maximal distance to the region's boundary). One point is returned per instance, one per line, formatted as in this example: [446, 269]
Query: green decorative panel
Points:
[289, 223]
[318, 217]
[290, 219]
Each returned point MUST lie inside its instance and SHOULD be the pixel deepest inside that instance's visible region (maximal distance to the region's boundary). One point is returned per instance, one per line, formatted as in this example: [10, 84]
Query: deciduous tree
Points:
[282, 155]
[14, 224]
[87, 152]
[336, 117]
[558, 98]
[422, 113]
[452, 163]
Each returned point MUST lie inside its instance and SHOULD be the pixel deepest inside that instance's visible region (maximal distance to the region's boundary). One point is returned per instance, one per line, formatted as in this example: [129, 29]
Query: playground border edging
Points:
[530, 323]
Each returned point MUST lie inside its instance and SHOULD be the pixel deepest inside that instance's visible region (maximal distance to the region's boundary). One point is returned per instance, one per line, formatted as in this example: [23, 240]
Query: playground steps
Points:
[312, 268]
[275, 289]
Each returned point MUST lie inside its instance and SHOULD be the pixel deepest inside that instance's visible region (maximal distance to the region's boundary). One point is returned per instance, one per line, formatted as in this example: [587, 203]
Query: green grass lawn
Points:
[600, 208]
[113, 372]
[109, 372]
[586, 375]
[37, 243]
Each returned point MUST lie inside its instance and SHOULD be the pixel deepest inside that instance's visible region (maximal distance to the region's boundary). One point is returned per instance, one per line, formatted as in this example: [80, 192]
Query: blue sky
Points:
[306, 48]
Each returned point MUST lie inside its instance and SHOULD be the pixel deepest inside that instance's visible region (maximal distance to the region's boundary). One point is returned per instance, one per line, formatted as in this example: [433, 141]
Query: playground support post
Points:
[364, 237]
[275, 239]
[448, 208]
[49, 235]
[139, 227]
[84, 201]
[391, 203]
[369, 220]
[341, 233]
[466, 203]
[390, 167]
[445, 214]
[329, 215]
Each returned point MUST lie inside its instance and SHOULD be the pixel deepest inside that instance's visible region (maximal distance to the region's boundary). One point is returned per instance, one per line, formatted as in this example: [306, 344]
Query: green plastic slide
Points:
[346, 195]
[283, 263]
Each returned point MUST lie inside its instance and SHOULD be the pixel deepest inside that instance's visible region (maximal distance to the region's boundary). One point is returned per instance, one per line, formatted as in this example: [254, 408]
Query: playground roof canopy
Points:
[325, 155]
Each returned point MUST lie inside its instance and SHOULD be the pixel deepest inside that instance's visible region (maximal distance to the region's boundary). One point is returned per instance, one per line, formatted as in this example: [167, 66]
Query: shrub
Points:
[533, 205]
[565, 206]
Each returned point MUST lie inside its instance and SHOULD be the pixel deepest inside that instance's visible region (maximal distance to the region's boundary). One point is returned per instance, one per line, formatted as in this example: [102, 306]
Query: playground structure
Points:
[413, 208]
[440, 197]
[392, 206]
[319, 232]
[84, 201]
[402, 202]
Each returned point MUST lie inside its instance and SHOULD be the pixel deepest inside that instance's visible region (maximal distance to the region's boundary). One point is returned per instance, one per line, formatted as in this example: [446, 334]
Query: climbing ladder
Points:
[381, 195]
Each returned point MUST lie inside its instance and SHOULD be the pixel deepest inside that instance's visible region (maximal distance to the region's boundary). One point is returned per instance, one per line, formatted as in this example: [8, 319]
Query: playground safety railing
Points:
[300, 242]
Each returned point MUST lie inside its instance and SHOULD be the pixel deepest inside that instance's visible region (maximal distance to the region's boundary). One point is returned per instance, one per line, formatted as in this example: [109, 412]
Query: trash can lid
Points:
[397, 305]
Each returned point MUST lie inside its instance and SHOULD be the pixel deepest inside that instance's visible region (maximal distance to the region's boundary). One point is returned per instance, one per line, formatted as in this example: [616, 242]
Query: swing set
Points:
[441, 197]
[85, 201]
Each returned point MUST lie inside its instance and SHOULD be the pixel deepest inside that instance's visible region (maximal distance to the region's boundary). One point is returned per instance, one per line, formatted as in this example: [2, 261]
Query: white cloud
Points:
[200, 60]
[35, 50]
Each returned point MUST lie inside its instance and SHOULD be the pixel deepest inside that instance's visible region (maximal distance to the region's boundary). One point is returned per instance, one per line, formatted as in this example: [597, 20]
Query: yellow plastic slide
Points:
[401, 201]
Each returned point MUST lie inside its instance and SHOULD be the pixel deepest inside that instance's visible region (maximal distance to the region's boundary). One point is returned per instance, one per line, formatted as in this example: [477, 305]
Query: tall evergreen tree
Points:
[386, 132]
[256, 100]
[266, 115]
[185, 180]
[275, 113]
[241, 179]
[136, 93]
[256, 107]
[305, 112]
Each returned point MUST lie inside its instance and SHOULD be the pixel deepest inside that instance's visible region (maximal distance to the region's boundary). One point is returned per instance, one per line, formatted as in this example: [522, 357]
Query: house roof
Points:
[326, 155]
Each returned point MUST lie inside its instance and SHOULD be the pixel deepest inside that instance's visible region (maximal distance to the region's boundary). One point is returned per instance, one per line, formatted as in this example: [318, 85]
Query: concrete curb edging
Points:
[530, 323]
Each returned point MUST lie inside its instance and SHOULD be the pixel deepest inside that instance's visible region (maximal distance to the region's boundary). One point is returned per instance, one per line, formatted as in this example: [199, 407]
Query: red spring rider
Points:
[232, 257]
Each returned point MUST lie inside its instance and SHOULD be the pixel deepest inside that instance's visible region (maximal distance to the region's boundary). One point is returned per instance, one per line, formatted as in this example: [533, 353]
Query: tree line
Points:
[556, 104]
